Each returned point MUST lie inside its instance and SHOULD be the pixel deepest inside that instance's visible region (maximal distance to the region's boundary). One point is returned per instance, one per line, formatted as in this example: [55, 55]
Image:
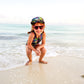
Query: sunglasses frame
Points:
[40, 27]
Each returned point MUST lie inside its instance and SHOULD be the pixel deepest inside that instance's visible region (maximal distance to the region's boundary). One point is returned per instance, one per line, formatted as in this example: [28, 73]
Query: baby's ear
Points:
[32, 26]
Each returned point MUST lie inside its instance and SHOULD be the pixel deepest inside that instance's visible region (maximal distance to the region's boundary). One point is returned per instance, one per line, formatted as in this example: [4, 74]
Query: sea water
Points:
[61, 40]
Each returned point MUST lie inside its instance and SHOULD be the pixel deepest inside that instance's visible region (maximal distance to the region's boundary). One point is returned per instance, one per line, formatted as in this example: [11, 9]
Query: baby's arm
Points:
[30, 39]
[29, 42]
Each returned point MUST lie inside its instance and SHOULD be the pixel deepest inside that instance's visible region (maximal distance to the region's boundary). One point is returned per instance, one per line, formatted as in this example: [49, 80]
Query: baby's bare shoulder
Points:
[31, 34]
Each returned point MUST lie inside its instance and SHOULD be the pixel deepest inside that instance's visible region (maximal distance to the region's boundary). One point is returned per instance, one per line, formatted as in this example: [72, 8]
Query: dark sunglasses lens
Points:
[41, 27]
[36, 27]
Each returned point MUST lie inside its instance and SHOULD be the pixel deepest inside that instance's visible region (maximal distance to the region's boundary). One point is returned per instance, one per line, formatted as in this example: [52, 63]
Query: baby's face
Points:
[38, 28]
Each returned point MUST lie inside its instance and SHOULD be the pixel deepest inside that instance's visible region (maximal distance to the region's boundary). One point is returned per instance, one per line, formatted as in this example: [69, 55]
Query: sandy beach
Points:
[59, 70]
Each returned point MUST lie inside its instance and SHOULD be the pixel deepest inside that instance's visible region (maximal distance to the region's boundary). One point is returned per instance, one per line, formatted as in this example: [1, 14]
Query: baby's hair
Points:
[31, 30]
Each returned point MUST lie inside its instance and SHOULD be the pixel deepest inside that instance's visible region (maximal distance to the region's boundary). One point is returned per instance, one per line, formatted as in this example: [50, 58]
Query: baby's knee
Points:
[29, 51]
[43, 50]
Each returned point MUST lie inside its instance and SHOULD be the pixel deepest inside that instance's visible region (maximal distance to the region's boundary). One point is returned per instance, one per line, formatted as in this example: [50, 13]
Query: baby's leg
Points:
[29, 55]
[43, 51]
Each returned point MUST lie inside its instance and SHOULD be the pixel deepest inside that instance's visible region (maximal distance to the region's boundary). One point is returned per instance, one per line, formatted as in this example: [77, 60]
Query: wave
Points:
[22, 34]
[66, 32]
[8, 37]
[6, 33]
[17, 57]
[13, 34]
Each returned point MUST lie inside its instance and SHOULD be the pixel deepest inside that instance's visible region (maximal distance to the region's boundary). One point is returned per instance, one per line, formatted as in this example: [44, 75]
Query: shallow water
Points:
[61, 40]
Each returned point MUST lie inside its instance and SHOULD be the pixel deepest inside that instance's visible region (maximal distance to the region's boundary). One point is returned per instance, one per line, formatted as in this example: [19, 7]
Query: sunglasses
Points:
[36, 27]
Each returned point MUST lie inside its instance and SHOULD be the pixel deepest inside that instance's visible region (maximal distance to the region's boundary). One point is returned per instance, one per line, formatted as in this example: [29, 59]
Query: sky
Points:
[53, 11]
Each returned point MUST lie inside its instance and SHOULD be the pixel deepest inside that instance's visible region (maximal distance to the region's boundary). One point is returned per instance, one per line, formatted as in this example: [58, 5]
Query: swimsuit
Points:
[36, 40]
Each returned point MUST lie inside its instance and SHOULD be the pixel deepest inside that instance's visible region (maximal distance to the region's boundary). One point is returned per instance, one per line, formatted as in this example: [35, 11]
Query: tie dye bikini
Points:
[36, 40]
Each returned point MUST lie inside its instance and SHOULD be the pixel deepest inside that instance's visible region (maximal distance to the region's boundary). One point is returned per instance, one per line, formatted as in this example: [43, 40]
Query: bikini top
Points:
[37, 40]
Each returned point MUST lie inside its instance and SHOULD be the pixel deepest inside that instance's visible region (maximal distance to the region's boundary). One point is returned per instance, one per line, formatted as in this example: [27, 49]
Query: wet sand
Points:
[59, 70]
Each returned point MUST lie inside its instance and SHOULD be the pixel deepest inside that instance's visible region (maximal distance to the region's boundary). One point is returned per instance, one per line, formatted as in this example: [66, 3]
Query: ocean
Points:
[61, 40]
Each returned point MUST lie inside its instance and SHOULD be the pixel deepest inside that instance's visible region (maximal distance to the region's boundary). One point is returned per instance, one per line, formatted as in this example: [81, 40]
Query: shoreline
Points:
[59, 70]
[36, 60]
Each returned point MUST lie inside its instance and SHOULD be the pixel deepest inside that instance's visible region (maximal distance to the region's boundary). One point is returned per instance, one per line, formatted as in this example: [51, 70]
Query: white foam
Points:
[66, 32]
[15, 56]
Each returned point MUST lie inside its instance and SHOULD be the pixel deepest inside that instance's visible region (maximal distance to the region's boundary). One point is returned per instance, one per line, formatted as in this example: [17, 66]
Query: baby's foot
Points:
[28, 63]
[44, 62]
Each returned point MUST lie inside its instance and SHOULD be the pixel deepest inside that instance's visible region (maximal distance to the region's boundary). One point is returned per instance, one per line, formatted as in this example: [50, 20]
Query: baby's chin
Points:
[38, 33]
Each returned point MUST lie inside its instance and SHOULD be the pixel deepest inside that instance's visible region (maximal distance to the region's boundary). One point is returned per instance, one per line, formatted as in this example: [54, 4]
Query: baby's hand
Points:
[38, 53]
